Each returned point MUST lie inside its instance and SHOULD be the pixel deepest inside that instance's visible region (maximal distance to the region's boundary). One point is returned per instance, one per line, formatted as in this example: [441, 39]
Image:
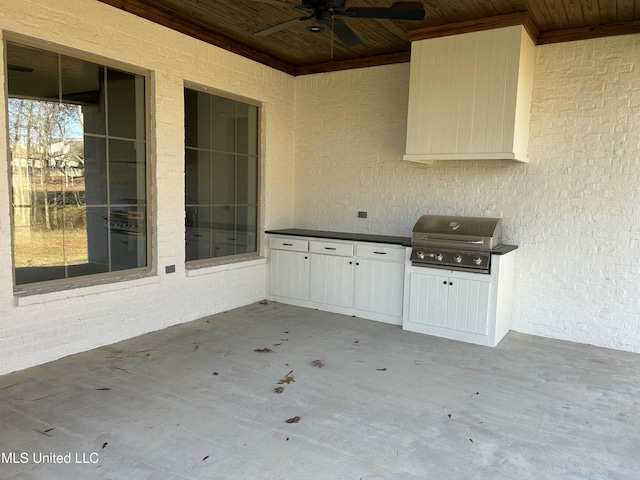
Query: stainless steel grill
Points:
[455, 243]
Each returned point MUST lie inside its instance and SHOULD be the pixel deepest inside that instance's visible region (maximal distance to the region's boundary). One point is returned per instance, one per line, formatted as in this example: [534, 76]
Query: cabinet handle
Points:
[380, 253]
[357, 263]
[450, 283]
[287, 244]
[330, 248]
[350, 263]
[306, 257]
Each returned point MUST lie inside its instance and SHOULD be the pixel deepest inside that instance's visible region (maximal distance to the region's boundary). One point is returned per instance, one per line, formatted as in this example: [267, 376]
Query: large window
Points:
[221, 183]
[78, 166]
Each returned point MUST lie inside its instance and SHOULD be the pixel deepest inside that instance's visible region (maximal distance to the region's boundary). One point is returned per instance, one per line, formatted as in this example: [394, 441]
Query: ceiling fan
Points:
[326, 12]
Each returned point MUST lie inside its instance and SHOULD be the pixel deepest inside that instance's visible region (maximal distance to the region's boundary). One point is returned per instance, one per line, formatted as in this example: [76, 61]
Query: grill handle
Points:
[453, 240]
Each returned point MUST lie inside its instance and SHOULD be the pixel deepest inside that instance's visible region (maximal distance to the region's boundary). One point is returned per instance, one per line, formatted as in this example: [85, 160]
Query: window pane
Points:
[124, 105]
[198, 233]
[247, 127]
[197, 119]
[32, 73]
[247, 180]
[223, 125]
[98, 237]
[247, 218]
[223, 179]
[82, 84]
[198, 177]
[127, 177]
[95, 170]
[224, 230]
[128, 245]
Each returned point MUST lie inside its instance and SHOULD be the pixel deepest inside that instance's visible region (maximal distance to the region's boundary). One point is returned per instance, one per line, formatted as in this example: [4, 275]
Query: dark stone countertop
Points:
[365, 237]
[354, 237]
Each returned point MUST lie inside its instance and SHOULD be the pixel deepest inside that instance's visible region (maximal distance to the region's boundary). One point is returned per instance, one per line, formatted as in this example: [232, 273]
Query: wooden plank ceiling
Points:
[230, 24]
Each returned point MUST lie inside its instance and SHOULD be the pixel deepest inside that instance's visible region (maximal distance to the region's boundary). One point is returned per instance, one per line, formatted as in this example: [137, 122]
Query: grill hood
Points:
[469, 233]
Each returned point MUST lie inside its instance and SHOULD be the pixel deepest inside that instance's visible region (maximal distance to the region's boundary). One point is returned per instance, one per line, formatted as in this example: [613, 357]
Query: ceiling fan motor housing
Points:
[323, 4]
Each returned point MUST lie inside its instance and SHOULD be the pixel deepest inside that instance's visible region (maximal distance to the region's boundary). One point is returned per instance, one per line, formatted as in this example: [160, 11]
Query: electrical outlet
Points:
[170, 269]
[362, 214]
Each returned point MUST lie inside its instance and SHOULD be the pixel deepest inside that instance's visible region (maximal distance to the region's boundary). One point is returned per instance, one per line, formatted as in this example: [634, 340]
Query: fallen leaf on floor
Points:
[104, 389]
[105, 444]
[215, 373]
[41, 432]
[286, 332]
[196, 347]
[381, 369]
[263, 302]
[205, 458]
[450, 416]
[295, 419]
[357, 341]
[284, 339]
[263, 350]
[48, 430]
[279, 389]
[287, 380]
[471, 440]
[287, 439]
[318, 363]
[277, 344]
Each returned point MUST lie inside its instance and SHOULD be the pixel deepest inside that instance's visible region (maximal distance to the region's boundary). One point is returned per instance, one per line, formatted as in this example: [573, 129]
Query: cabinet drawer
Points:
[331, 248]
[293, 244]
[393, 254]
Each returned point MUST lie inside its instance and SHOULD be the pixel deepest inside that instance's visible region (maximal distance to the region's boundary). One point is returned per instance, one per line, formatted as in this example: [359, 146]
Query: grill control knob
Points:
[420, 254]
[477, 260]
[457, 258]
[438, 256]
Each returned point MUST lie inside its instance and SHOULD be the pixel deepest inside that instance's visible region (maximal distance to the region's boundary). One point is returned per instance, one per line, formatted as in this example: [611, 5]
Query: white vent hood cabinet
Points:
[470, 96]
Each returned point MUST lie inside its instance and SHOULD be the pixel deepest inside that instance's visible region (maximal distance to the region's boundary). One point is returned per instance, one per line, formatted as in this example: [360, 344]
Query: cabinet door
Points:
[379, 286]
[331, 280]
[289, 274]
[468, 305]
[428, 296]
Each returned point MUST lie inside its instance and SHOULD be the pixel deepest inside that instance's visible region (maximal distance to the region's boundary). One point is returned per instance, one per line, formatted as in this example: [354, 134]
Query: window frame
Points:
[105, 277]
[241, 257]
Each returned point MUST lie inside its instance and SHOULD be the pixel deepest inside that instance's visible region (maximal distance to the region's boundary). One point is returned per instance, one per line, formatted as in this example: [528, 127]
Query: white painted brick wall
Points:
[574, 209]
[44, 327]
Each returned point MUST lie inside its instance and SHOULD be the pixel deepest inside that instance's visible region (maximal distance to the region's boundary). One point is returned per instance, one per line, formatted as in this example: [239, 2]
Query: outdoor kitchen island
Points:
[372, 276]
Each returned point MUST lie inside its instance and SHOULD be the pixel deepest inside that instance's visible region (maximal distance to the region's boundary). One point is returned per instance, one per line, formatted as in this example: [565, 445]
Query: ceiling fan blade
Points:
[284, 3]
[277, 2]
[400, 13]
[344, 33]
[280, 26]
[19, 68]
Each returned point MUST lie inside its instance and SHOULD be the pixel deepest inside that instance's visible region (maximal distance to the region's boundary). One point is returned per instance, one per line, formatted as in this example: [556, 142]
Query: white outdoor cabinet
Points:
[289, 268]
[466, 306]
[379, 284]
[450, 302]
[331, 279]
[470, 96]
[353, 278]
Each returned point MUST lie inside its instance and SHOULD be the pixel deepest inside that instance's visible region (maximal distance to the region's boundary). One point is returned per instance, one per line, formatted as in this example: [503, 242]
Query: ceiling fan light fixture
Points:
[315, 28]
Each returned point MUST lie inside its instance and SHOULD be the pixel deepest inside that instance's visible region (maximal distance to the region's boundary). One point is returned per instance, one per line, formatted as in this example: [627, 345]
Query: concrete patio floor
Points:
[197, 401]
